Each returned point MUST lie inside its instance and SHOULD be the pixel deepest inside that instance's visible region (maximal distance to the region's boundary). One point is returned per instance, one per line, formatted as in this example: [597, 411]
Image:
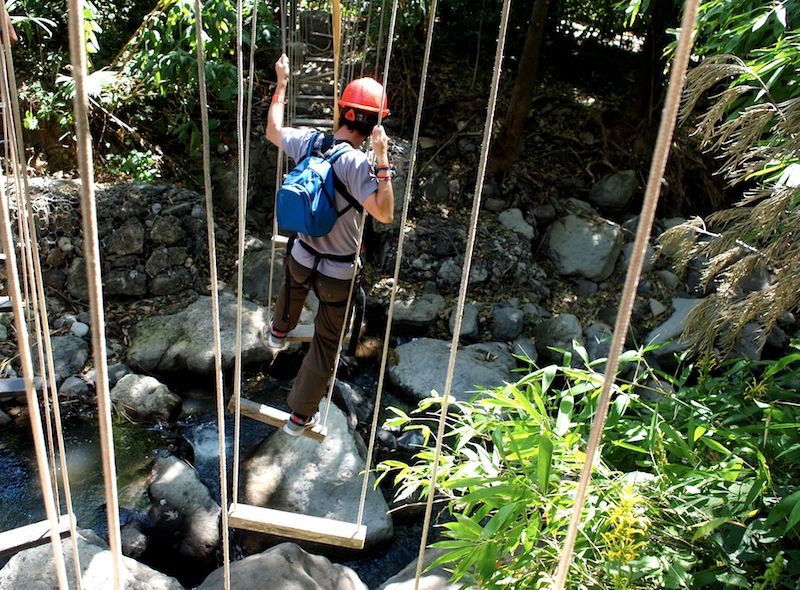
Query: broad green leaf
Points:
[564, 417]
[794, 518]
[714, 445]
[499, 520]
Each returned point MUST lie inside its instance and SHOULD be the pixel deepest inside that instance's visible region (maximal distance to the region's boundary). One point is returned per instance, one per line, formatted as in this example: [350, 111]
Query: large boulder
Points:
[185, 518]
[185, 341]
[422, 367]
[285, 567]
[324, 479]
[35, 568]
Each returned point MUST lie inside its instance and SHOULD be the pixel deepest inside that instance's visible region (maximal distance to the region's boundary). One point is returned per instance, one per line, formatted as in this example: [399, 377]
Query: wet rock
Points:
[186, 519]
[145, 399]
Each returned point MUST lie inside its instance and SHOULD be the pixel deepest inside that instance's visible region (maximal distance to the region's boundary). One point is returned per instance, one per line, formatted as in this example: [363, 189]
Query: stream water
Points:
[134, 447]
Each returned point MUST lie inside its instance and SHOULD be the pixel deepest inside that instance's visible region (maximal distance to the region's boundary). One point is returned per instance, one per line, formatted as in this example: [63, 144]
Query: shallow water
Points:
[134, 447]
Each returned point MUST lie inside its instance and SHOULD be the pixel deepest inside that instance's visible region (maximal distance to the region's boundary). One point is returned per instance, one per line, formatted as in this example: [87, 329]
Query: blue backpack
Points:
[306, 202]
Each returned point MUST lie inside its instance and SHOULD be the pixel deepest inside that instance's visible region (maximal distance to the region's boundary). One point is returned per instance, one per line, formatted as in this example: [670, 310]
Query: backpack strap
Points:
[325, 146]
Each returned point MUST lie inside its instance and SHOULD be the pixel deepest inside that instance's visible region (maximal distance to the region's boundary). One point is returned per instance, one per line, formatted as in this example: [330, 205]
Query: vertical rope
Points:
[380, 38]
[92, 254]
[462, 294]
[657, 166]
[401, 237]
[212, 260]
[26, 363]
[337, 39]
[27, 224]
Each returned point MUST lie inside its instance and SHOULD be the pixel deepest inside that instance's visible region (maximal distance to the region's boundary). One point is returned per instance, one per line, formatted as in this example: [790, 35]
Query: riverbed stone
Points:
[585, 247]
[285, 567]
[184, 341]
[70, 354]
[668, 334]
[35, 569]
[185, 518]
[422, 367]
[145, 399]
[557, 332]
[434, 579]
[304, 476]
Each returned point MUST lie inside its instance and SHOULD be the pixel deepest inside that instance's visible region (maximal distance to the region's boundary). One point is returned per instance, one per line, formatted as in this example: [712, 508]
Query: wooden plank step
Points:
[312, 97]
[31, 535]
[313, 122]
[5, 304]
[273, 417]
[15, 386]
[297, 526]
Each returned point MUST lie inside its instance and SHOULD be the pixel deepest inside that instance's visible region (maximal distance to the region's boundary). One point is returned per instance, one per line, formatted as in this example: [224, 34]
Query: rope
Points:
[26, 362]
[94, 281]
[476, 203]
[660, 155]
[14, 149]
[212, 259]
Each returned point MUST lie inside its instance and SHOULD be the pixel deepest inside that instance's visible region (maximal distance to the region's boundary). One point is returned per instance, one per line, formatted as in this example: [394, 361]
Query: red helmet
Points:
[365, 94]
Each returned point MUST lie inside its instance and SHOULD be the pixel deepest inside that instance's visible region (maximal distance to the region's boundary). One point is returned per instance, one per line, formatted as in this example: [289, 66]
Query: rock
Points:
[419, 311]
[585, 247]
[70, 355]
[507, 323]
[186, 519]
[133, 540]
[615, 191]
[184, 341]
[422, 367]
[285, 567]
[436, 579]
[669, 332]
[73, 387]
[35, 568]
[513, 219]
[557, 332]
[303, 476]
[167, 231]
[469, 322]
[127, 239]
[145, 399]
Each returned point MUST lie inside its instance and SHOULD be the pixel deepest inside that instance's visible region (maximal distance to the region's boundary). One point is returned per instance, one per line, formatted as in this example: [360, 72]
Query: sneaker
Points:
[297, 424]
[273, 338]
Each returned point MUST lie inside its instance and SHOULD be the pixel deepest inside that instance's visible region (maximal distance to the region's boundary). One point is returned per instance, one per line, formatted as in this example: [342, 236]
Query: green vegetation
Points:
[699, 488]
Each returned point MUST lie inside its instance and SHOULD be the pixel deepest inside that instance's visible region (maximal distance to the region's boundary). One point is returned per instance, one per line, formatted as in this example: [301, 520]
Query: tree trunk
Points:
[504, 151]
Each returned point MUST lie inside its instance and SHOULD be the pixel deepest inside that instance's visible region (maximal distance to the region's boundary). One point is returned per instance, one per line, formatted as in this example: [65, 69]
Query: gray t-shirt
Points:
[355, 172]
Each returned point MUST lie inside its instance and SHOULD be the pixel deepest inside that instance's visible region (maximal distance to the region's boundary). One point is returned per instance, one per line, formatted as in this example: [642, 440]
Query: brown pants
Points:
[317, 368]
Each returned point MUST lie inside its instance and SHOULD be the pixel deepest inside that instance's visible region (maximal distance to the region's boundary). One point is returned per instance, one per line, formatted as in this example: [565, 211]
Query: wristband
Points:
[387, 167]
[384, 178]
[280, 99]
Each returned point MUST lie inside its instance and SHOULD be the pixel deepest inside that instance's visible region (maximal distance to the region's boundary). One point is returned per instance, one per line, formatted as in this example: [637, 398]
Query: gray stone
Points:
[74, 387]
[669, 333]
[420, 310]
[285, 567]
[76, 280]
[125, 282]
[422, 367]
[615, 191]
[34, 569]
[167, 230]
[585, 247]
[469, 322]
[557, 332]
[432, 579]
[182, 509]
[145, 399]
[184, 341]
[70, 355]
[304, 476]
[507, 323]
[513, 220]
[127, 239]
